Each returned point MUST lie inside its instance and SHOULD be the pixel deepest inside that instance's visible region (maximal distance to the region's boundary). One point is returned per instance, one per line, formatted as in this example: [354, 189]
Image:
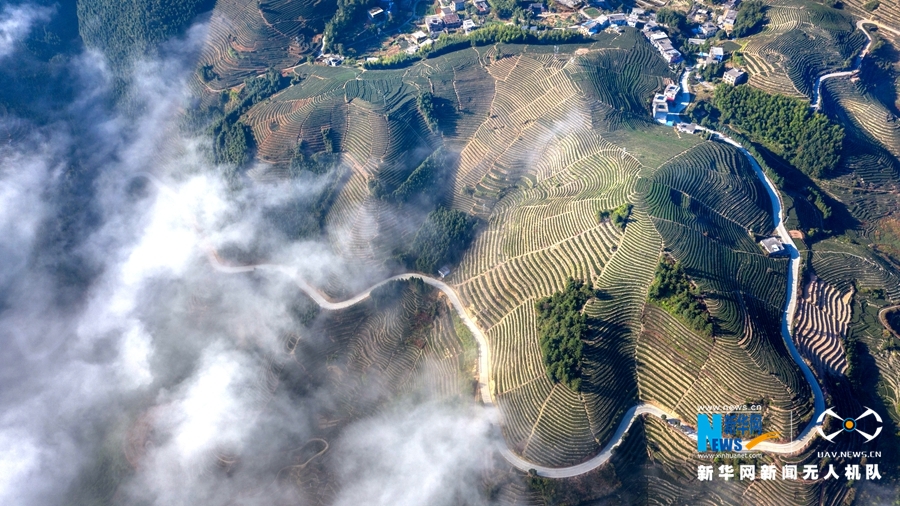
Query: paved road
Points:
[484, 350]
[484, 363]
[817, 93]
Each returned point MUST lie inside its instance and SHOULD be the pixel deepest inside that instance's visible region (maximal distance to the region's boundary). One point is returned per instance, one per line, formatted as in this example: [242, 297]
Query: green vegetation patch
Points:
[749, 18]
[441, 240]
[423, 177]
[126, 30]
[425, 103]
[563, 326]
[618, 216]
[809, 141]
[506, 34]
[673, 291]
[233, 140]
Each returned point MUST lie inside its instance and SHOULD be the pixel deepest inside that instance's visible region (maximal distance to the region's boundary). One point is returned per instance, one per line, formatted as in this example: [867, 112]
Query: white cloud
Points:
[424, 454]
[16, 22]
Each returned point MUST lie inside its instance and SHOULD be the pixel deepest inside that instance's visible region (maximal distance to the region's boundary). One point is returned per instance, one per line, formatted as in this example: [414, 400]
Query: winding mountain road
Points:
[484, 362]
[817, 92]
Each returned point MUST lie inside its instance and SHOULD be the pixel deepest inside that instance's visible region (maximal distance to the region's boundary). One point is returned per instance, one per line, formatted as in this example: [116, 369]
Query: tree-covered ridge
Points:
[426, 175]
[749, 18]
[425, 104]
[441, 240]
[674, 292]
[807, 140]
[340, 28]
[233, 140]
[506, 34]
[562, 327]
[124, 29]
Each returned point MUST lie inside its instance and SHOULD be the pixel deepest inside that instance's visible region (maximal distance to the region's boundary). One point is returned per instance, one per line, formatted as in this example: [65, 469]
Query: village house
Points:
[376, 14]
[590, 27]
[707, 29]
[734, 77]
[701, 15]
[435, 24]
[772, 246]
[727, 21]
[451, 20]
[537, 9]
[662, 43]
[468, 25]
[716, 54]
[660, 108]
[482, 7]
[571, 4]
[671, 92]
[417, 37]
[617, 19]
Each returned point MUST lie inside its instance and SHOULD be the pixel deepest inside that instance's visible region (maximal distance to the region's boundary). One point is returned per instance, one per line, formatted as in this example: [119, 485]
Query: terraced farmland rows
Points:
[670, 358]
[888, 11]
[675, 482]
[377, 354]
[822, 317]
[798, 46]
[376, 125]
[704, 204]
[845, 270]
[537, 237]
[865, 113]
[516, 130]
[240, 44]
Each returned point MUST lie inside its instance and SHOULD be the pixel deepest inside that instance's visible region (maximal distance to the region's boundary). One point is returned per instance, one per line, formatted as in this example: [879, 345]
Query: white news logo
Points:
[848, 424]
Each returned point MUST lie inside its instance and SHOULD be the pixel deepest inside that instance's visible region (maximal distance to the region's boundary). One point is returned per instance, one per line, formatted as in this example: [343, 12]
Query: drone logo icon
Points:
[848, 424]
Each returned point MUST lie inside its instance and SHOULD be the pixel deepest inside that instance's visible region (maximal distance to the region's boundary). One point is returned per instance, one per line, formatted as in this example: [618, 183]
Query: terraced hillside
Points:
[872, 159]
[542, 143]
[887, 11]
[822, 318]
[669, 474]
[846, 266]
[399, 344]
[248, 36]
[802, 41]
[708, 208]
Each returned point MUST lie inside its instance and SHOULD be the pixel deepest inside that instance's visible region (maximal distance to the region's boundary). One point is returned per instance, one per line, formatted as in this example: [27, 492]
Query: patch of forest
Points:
[125, 30]
[807, 140]
[673, 291]
[506, 34]
[440, 241]
[563, 327]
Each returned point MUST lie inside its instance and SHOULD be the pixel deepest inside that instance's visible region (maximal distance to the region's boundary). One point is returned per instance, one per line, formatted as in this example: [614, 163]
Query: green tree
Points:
[673, 291]
[563, 327]
[807, 140]
[441, 240]
[750, 17]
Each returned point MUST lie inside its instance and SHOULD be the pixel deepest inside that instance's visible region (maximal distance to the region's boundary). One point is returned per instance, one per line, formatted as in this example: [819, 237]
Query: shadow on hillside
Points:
[609, 367]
